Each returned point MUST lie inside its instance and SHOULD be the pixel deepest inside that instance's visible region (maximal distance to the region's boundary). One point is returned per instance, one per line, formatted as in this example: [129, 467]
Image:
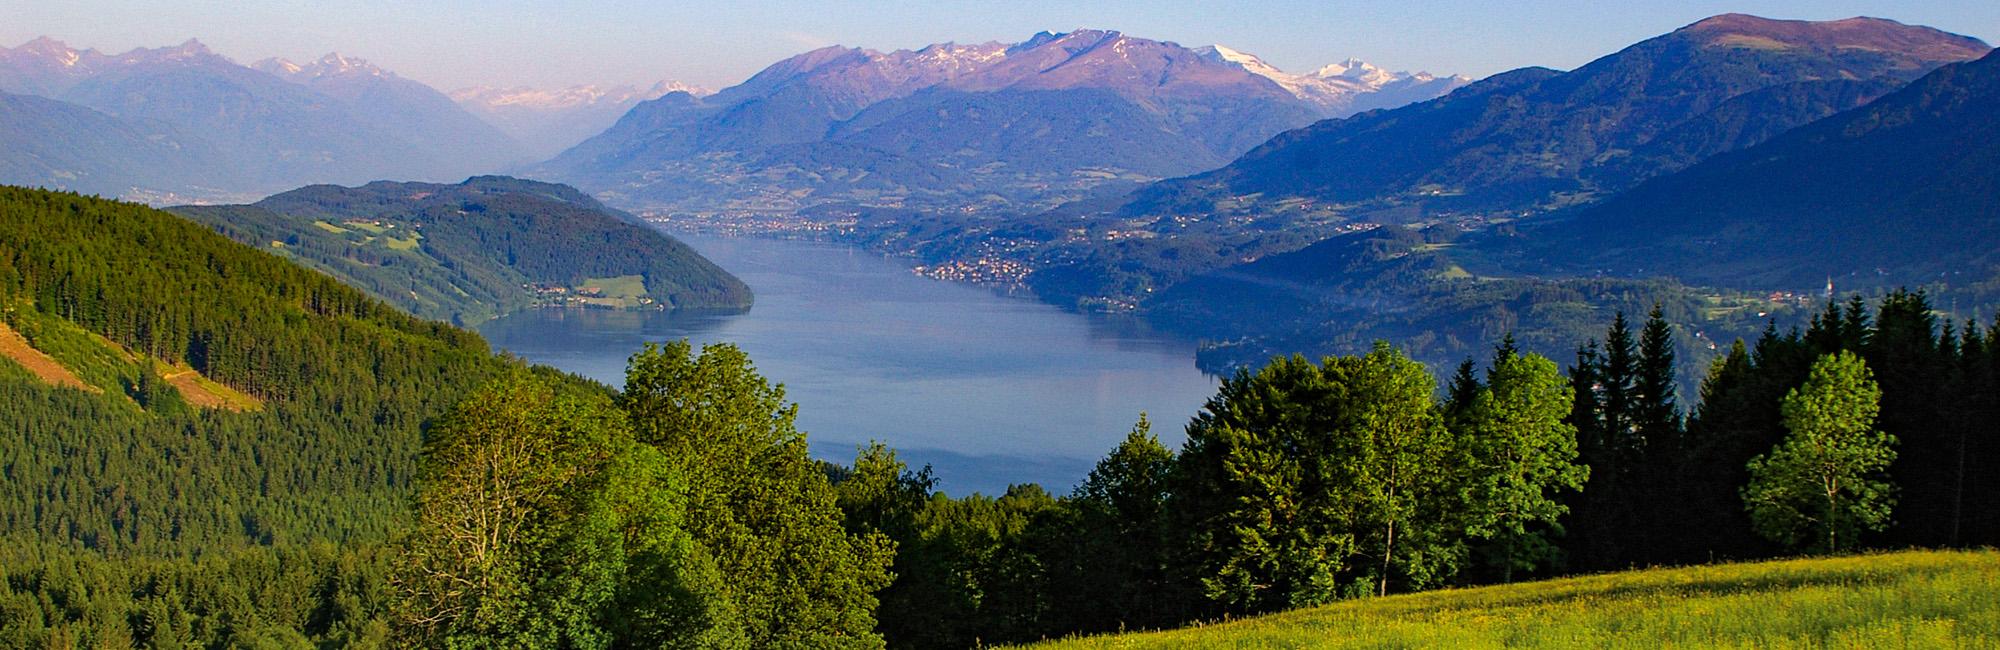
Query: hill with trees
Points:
[477, 250]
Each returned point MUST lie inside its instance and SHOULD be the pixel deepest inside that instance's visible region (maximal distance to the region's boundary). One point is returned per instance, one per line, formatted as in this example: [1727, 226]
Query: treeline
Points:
[1305, 482]
[1654, 471]
[684, 511]
[1301, 484]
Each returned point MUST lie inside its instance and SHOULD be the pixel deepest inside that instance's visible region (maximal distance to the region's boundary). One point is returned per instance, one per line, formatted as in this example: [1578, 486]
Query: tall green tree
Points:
[1825, 482]
[541, 524]
[1121, 576]
[879, 494]
[756, 500]
[1304, 482]
[1522, 459]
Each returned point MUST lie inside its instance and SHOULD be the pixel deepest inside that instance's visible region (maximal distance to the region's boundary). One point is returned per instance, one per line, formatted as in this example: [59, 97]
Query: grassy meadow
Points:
[1915, 599]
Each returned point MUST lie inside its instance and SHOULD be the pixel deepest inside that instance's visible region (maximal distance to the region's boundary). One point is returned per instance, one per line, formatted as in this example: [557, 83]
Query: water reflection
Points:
[991, 389]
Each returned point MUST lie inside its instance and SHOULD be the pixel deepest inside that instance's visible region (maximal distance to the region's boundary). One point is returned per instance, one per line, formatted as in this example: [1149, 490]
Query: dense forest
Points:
[388, 482]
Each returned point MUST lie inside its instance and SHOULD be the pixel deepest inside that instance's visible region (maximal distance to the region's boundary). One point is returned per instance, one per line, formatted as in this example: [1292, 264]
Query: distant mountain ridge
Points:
[983, 126]
[1535, 139]
[409, 110]
[548, 121]
[248, 131]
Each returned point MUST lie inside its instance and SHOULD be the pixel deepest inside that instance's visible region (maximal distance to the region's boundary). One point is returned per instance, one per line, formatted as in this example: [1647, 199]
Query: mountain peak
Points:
[1861, 32]
[1084, 38]
[278, 66]
[51, 49]
[667, 86]
[331, 65]
[190, 50]
[45, 45]
[192, 47]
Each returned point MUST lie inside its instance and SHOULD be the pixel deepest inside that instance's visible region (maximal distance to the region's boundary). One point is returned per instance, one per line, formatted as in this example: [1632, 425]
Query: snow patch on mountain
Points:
[1337, 89]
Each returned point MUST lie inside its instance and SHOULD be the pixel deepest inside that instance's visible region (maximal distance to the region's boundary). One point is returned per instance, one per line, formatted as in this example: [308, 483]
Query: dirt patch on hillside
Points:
[199, 391]
[15, 347]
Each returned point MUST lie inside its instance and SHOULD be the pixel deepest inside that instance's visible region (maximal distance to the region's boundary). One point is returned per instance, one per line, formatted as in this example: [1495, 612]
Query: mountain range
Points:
[410, 111]
[1535, 139]
[967, 127]
[1903, 190]
[248, 130]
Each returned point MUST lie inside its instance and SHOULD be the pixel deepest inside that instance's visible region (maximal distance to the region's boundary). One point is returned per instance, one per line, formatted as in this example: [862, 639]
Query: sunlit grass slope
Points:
[1897, 600]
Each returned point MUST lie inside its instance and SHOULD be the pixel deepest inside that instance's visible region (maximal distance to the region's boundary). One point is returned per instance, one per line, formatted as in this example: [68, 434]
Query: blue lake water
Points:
[988, 389]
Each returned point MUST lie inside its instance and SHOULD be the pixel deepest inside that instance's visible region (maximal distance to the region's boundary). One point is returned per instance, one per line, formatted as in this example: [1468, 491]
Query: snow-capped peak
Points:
[1359, 71]
[1334, 88]
[666, 87]
[278, 66]
[331, 65]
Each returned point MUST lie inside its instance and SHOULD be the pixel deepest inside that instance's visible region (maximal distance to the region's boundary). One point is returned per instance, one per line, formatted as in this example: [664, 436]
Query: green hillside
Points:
[122, 294]
[1910, 599]
[207, 512]
[478, 250]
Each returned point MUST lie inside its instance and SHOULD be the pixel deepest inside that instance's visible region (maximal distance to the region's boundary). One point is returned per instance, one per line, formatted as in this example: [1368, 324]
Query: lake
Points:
[986, 388]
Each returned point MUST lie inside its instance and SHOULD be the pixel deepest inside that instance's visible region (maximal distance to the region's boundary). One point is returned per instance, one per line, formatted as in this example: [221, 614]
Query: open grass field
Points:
[1915, 599]
[624, 286]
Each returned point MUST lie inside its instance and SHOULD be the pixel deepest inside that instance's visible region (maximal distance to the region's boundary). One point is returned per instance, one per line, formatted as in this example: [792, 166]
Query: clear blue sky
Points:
[452, 43]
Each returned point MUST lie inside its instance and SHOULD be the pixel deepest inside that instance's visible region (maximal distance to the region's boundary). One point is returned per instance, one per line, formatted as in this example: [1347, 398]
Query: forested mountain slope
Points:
[120, 292]
[480, 249]
[1905, 190]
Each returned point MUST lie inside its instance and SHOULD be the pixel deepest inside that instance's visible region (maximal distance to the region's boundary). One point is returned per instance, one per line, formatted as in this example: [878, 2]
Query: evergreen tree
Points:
[1121, 576]
[1655, 414]
[1904, 355]
[1610, 526]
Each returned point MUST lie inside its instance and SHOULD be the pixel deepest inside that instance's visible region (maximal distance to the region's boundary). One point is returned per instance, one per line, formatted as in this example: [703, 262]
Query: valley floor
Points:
[1916, 599]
